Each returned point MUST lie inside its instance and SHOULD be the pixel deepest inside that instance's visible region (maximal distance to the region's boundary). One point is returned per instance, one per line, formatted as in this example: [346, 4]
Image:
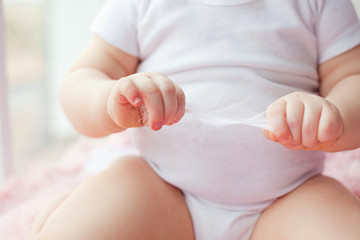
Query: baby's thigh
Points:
[321, 208]
[126, 201]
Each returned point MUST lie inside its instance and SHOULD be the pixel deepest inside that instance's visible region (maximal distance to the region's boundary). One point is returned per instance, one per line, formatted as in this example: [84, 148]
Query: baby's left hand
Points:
[303, 121]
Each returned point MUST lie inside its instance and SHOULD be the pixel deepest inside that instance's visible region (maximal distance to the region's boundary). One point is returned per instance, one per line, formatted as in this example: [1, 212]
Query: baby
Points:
[153, 64]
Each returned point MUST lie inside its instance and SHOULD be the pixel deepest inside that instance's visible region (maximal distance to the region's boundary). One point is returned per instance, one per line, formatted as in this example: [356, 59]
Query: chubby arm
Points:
[329, 122]
[87, 86]
[102, 94]
[340, 84]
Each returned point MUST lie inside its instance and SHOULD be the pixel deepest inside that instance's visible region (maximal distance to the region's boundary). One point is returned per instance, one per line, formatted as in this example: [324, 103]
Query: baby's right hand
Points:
[146, 99]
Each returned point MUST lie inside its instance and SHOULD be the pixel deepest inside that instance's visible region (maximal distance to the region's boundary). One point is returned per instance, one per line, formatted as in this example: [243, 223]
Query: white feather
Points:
[255, 120]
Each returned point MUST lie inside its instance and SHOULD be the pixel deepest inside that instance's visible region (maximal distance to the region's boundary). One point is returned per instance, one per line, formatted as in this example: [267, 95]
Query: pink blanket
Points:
[21, 197]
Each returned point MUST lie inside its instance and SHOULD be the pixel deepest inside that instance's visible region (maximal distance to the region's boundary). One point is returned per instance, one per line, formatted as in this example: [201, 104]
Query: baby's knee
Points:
[132, 169]
[120, 197]
[131, 163]
[128, 164]
[321, 208]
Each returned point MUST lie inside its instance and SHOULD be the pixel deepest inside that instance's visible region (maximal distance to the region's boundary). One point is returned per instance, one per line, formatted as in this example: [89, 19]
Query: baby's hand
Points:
[146, 99]
[304, 121]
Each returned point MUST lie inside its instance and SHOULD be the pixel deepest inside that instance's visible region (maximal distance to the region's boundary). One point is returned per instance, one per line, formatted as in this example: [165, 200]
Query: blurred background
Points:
[42, 39]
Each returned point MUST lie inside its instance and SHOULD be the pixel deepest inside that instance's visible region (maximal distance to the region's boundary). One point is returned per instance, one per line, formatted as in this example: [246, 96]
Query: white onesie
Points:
[232, 58]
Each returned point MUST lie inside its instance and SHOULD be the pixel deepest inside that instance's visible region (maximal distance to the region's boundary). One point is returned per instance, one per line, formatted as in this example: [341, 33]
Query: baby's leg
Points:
[126, 201]
[320, 209]
[45, 212]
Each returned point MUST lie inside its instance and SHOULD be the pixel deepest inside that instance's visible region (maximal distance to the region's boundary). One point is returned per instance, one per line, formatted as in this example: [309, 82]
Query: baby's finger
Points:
[129, 93]
[152, 98]
[295, 147]
[330, 124]
[294, 117]
[168, 92]
[276, 116]
[269, 135]
[310, 124]
[180, 111]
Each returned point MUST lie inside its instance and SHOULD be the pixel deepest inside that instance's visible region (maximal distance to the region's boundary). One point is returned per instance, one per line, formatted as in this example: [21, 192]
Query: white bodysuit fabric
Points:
[232, 58]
